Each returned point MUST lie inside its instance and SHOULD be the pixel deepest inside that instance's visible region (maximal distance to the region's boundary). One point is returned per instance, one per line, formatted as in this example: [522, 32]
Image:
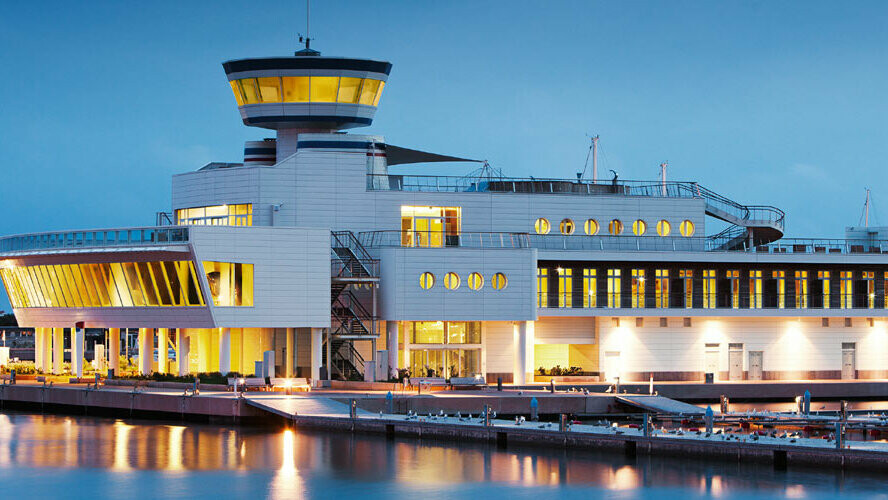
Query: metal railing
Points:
[676, 299]
[671, 189]
[437, 239]
[95, 238]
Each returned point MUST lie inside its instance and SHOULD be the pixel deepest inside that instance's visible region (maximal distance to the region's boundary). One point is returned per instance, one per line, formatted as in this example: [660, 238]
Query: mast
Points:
[866, 209]
[595, 159]
[663, 175]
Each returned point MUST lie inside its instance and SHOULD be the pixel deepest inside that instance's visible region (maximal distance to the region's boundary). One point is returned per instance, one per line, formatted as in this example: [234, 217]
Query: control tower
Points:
[306, 93]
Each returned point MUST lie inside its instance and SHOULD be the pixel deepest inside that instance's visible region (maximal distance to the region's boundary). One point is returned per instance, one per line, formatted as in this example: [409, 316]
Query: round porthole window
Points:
[476, 281]
[541, 226]
[615, 227]
[686, 228]
[426, 280]
[664, 228]
[591, 227]
[639, 227]
[499, 281]
[567, 226]
[451, 281]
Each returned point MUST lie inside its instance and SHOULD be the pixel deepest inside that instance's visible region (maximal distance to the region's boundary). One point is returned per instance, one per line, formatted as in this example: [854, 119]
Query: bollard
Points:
[725, 402]
[617, 385]
[486, 416]
[552, 386]
[708, 418]
[499, 384]
[843, 410]
[97, 380]
[354, 409]
[646, 425]
[534, 409]
[800, 407]
[807, 402]
[389, 403]
[562, 423]
[195, 389]
[840, 438]
[651, 385]
[12, 377]
[110, 373]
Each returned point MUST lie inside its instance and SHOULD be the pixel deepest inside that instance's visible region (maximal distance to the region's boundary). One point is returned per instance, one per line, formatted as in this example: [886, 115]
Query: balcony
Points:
[95, 238]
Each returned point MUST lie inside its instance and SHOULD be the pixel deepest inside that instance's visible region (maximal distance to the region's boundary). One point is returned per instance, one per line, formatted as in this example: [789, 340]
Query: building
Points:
[310, 256]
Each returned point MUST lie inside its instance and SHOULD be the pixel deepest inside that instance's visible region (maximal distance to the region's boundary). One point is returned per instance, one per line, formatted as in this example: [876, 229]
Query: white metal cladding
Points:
[291, 273]
[402, 298]
[789, 345]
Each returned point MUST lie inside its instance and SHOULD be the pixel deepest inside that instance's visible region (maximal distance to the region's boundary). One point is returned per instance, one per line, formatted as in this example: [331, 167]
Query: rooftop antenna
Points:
[593, 151]
[663, 175]
[307, 51]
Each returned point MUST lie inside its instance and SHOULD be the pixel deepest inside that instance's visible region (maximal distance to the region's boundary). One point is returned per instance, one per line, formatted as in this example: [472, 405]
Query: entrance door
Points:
[611, 365]
[710, 360]
[849, 365]
[755, 365]
[735, 362]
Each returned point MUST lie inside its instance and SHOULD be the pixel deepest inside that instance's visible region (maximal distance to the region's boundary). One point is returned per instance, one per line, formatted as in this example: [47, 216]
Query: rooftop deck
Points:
[95, 238]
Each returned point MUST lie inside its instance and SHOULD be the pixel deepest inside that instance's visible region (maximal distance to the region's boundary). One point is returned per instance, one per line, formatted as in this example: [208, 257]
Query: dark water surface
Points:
[48, 456]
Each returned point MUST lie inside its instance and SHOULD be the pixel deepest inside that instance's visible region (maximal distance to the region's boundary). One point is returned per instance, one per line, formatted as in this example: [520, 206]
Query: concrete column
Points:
[77, 348]
[47, 350]
[329, 355]
[183, 344]
[163, 353]
[146, 350]
[114, 350]
[519, 370]
[391, 343]
[317, 342]
[224, 350]
[38, 348]
[290, 358]
[58, 350]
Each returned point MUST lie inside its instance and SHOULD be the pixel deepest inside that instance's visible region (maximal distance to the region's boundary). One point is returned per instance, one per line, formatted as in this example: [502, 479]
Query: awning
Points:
[396, 155]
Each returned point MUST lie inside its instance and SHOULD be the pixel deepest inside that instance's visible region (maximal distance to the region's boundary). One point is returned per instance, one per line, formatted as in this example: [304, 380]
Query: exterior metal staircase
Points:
[353, 286]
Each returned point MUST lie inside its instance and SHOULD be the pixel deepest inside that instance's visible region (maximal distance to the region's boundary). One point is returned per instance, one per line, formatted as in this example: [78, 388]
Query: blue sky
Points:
[766, 102]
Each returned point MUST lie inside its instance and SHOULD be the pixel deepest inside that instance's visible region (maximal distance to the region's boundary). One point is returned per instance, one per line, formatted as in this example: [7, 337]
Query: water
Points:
[47, 456]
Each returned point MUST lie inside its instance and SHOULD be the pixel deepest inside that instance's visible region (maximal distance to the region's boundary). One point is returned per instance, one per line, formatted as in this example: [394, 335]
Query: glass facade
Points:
[430, 226]
[217, 215]
[443, 348]
[231, 284]
[332, 89]
[115, 284]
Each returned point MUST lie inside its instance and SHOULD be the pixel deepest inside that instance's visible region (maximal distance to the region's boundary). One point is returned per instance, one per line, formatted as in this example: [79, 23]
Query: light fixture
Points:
[559, 269]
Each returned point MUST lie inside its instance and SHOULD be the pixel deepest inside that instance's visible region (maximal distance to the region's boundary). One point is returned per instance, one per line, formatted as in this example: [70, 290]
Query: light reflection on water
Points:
[87, 457]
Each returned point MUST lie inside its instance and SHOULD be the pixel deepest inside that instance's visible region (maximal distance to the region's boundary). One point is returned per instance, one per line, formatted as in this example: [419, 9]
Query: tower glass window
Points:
[217, 215]
[295, 88]
[324, 88]
[349, 90]
[269, 89]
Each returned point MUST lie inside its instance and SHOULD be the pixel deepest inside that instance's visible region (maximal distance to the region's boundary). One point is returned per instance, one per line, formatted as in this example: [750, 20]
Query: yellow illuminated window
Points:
[427, 280]
[567, 226]
[780, 276]
[542, 287]
[686, 228]
[476, 281]
[823, 276]
[541, 226]
[250, 90]
[734, 276]
[216, 215]
[614, 288]
[565, 287]
[499, 281]
[869, 277]
[238, 96]
[295, 88]
[846, 290]
[349, 90]
[116, 284]
[269, 89]
[369, 91]
[615, 227]
[324, 88]
[709, 284]
[590, 288]
[755, 289]
[801, 289]
[231, 283]
[639, 227]
[378, 93]
[591, 227]
[638, 287]
[430, 226]
[451, 281]
[661, 288]
[687, 276]
[664, 228]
